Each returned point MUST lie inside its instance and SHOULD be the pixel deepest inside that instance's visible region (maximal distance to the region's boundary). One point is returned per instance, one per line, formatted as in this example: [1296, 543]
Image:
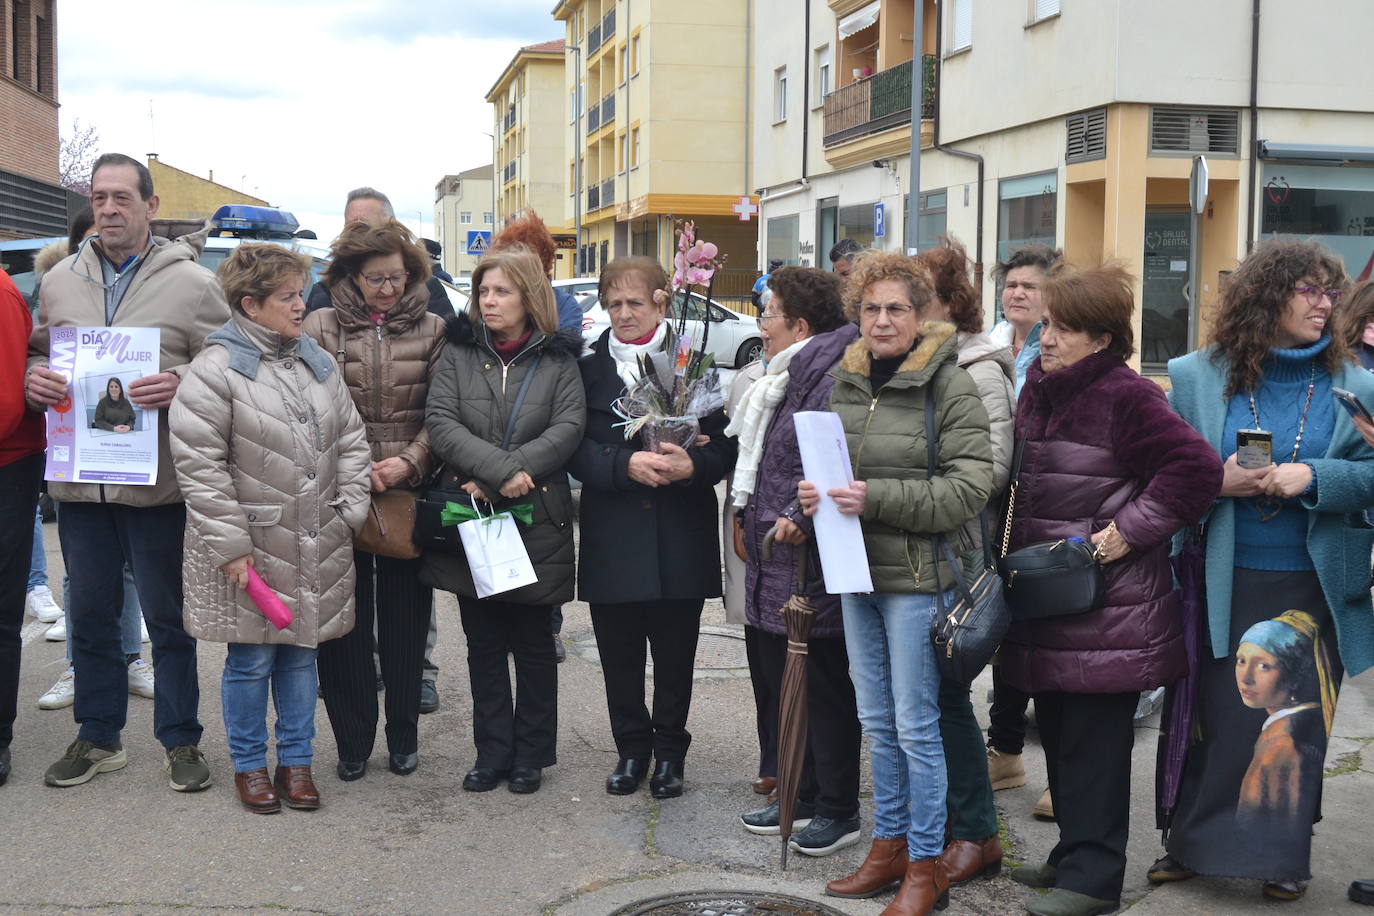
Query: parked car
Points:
[733, 341]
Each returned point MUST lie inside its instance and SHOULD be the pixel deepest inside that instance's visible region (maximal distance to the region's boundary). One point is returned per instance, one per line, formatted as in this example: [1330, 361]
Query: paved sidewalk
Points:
[125, 843]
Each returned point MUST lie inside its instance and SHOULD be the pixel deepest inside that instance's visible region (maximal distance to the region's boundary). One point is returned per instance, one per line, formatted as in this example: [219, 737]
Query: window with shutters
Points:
[1189, 131]
[780, 94]
[1086, 136]
[960, 25]
[1042, 9]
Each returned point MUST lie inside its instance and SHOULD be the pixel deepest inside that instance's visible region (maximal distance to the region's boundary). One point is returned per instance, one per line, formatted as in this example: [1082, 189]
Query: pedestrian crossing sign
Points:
[478, 241]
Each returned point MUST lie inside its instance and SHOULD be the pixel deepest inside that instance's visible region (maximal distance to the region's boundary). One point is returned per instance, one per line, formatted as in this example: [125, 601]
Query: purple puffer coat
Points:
[769, 585]
[1102, 443]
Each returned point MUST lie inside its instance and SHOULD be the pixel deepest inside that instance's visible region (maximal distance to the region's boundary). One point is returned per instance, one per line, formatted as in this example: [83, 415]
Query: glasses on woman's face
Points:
[762, 318]
[377, 281]
[871, 311]
[1314, 294]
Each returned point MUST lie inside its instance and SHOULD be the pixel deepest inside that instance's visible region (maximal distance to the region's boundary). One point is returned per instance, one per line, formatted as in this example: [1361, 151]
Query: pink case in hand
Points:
[267, 601]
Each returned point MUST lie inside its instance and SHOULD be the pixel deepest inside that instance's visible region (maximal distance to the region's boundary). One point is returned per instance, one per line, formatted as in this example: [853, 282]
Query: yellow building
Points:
[1082, 121]
[463, 206]
[186, 196]
[656, 109]
[528, 117]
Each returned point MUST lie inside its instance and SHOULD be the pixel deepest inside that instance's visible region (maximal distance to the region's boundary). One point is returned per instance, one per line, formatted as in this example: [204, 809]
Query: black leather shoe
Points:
[629, 773]
[403, 764]
[1362, 892]
[4, 764]
[429, 697]
[525, 780]
[349, 771]
[667, 780]
[482, 779]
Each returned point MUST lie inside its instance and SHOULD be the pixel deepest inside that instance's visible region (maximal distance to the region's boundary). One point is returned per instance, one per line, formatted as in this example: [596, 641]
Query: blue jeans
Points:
[97, 540]
[130, 633]
[38, 562]
[243, 691]
[897, 686]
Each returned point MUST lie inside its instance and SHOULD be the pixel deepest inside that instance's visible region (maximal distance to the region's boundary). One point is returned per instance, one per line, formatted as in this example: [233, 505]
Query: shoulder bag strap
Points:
[1017, 455]
[519, 401]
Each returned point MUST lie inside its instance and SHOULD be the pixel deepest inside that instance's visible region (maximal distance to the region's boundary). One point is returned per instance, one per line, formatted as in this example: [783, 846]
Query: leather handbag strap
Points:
[519, 401]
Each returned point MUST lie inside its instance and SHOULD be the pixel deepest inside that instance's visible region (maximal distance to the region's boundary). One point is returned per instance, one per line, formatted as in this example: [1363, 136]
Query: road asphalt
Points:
[125, 843]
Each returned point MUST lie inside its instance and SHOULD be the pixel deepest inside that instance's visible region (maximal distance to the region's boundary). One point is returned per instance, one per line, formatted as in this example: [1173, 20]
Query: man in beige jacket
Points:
[123, 277]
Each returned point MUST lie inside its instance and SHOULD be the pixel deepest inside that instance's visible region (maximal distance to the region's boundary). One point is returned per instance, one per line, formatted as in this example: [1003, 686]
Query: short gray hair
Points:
[366, 193]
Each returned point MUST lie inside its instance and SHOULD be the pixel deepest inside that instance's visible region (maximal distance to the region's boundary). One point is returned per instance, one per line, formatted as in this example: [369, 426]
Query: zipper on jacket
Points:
[914, 567]
[377, 378]
[864, 438]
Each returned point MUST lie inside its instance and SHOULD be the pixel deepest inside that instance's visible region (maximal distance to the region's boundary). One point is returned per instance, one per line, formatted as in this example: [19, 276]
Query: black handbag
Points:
[965, 635]
[447, 486]
[1048, 578]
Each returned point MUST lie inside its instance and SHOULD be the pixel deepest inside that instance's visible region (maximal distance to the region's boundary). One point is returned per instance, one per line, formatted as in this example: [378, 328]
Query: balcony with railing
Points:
[593, 117]
[608, 192]
[877, 103]
[508, 121]
[593, 198]
[608, 110]
[607, 27]
[508, 173]
[594, 38]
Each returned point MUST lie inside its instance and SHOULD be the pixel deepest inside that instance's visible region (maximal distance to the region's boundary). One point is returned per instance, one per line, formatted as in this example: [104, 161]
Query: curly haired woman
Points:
[1289, 535]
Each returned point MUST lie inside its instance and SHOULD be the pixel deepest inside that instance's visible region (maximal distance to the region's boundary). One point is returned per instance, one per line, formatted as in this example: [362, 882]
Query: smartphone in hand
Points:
[1254, 448]
[1352, 404]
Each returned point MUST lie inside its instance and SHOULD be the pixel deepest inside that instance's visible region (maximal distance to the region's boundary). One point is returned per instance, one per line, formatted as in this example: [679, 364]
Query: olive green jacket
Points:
[886, 435]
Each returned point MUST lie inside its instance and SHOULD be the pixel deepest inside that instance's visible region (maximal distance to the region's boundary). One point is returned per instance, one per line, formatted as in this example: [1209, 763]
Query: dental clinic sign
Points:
[96, 434]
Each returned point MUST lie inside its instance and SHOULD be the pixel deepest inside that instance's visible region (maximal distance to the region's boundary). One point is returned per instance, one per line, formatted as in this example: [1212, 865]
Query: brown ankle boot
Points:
[255, 791]
[925, 888]
[965, 860]
[885, 866]
[297, 789]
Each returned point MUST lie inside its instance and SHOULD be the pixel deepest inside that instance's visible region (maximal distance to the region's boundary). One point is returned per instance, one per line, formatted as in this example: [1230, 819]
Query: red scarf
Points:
[507, 349]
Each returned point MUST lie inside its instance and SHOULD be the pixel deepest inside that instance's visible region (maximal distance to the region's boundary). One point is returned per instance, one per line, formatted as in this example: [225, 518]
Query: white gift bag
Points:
[496, 554]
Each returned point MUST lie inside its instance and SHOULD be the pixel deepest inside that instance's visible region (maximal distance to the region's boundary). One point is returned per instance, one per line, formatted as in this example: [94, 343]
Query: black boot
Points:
[667, 780]
[629, 773]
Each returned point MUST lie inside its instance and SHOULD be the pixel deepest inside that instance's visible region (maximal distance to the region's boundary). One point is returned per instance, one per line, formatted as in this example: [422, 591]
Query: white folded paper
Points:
[839, 537]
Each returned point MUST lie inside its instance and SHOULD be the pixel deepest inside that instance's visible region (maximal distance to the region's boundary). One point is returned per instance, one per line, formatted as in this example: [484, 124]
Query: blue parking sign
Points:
[478, 241]
[879, 221]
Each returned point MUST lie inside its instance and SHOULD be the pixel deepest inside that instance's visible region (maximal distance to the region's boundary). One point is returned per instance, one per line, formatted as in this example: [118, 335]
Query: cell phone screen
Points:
[1254, 448]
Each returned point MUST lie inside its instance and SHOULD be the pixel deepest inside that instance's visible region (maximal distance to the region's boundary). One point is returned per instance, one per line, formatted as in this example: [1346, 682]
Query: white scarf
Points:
[751, 417]
[626, 355]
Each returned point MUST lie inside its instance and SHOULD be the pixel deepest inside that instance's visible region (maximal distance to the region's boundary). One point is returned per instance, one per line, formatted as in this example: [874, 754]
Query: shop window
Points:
[855, 222]
[1333, 205]
[1164, 331]
[932, 217]
[783, 239]
[1026, 212]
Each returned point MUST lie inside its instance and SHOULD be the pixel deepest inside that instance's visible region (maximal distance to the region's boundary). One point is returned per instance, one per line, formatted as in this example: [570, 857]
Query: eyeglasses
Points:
[762, 318]
[397, 281]
[1314, 294]
[895, 312]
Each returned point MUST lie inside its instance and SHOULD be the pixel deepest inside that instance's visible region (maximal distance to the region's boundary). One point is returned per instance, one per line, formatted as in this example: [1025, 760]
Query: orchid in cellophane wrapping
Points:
[680, 384]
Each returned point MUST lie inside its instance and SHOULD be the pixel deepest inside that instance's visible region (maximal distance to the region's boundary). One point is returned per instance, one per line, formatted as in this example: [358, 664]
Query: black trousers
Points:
[830, 773]
[765, 705]
[1007, 725]
[1087, 739]
[389, 592]
[524, 734]
[18, 495]
[670, 630]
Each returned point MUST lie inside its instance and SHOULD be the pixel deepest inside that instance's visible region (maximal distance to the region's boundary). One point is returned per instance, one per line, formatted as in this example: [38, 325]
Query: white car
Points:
[733, 340]
[582, 288]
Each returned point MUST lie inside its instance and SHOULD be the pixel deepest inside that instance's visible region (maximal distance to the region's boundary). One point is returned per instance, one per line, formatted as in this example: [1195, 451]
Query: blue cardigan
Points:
[1339, 539]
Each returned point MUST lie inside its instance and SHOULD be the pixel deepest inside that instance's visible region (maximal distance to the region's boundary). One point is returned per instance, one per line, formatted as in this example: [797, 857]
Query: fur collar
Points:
[933, 336]
[564, 342]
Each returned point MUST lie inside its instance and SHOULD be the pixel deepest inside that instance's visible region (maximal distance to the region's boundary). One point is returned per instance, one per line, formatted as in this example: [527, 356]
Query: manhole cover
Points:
[726, 903]
[720, 650]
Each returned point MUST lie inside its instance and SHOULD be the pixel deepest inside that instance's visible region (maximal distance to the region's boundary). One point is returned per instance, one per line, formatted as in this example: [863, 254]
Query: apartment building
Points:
[31, 202]
[528, 118]
[1082, 120]
[464, 204]
[656, 121]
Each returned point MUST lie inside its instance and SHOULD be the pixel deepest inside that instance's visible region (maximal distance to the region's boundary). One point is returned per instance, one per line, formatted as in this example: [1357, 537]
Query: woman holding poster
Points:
[273, 461]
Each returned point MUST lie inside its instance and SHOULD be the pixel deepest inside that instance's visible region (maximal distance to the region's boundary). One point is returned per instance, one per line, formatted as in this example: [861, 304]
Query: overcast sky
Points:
[297, 101]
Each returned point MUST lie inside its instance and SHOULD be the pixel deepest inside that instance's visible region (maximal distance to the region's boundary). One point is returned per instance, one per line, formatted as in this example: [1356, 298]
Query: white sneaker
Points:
[143, 629]
[62, 694]
[141, 678]
[39, 603]
[58, 631]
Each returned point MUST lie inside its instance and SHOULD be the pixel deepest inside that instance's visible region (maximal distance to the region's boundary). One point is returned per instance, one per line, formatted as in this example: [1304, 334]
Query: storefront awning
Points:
[857, 22]
[1308, 154]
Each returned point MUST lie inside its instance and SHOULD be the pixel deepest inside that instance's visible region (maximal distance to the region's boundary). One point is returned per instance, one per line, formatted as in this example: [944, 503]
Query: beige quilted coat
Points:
[273, 461]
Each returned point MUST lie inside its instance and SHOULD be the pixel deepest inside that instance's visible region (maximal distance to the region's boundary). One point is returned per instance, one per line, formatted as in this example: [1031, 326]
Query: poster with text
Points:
[96, 434]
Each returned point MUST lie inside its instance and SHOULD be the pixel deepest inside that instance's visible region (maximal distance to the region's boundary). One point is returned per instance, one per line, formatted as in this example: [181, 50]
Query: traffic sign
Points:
[479, 240]
[879, 221]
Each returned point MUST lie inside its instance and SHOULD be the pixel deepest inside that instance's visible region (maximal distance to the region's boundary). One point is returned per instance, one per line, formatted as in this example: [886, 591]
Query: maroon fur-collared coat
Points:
[1102, 443]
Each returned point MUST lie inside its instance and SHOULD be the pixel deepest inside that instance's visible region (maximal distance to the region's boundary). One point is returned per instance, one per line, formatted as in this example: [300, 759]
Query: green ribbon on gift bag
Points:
[454, 514]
